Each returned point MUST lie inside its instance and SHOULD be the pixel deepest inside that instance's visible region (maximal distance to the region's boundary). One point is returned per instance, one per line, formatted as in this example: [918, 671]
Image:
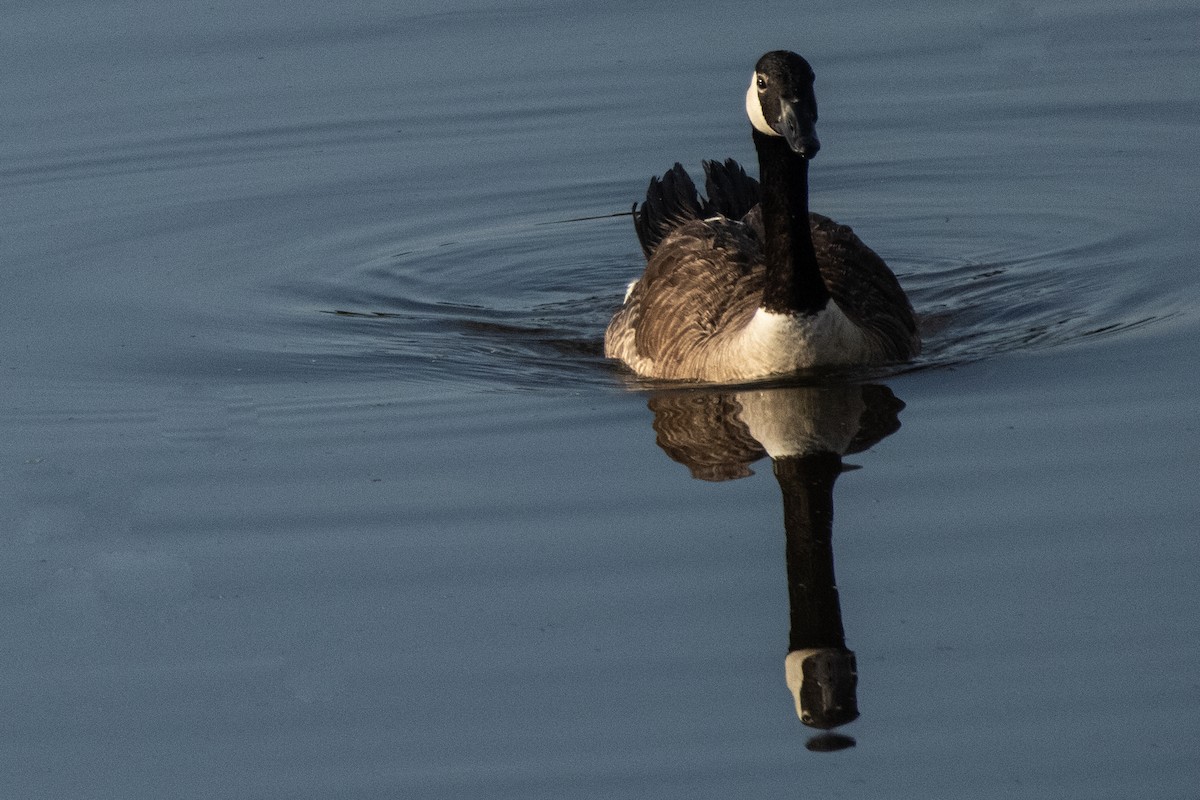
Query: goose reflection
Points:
[805, 431]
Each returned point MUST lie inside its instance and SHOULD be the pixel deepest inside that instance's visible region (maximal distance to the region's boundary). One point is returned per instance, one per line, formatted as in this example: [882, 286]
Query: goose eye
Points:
[762, 83]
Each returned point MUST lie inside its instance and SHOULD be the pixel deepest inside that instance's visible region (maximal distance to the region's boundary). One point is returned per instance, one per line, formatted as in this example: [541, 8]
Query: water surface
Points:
[318, 485]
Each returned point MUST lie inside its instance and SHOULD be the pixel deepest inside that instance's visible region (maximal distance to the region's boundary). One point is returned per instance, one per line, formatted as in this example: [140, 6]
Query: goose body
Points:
[746, 283]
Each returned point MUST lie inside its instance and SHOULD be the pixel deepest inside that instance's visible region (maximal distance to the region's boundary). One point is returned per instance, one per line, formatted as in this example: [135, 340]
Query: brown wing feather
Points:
[704, 278]
[864, 288]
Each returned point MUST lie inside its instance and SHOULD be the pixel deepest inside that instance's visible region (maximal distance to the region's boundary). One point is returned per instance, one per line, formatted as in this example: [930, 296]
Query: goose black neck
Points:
[793, 280]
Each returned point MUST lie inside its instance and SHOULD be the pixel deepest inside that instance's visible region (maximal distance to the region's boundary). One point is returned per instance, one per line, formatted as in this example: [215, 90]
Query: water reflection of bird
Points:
[747, 283]
[805, 431]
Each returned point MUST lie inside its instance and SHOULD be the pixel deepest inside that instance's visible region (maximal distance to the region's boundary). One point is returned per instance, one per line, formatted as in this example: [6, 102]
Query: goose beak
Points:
[799, 129]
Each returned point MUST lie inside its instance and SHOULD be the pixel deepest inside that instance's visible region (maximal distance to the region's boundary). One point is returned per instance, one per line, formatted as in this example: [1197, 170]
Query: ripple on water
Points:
[511, 308]
[526, 307]
[1063, 281]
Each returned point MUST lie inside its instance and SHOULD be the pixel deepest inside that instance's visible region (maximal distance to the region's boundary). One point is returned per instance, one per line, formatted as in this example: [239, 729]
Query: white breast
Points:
[774, 344]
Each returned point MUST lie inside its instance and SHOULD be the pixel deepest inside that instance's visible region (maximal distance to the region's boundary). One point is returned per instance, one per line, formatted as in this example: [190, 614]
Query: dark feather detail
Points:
[671, 201]
[731, 192]
[863, 286]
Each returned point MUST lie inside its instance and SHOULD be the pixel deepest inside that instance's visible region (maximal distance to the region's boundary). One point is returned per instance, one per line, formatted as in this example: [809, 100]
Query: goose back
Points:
[705, 274]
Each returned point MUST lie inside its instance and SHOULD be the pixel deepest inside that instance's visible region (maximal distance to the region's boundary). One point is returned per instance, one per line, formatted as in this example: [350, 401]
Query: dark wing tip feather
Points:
[671, 201]
[731, 192]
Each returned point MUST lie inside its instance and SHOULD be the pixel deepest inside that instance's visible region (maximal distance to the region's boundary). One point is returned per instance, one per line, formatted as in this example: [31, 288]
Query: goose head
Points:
[780, 101]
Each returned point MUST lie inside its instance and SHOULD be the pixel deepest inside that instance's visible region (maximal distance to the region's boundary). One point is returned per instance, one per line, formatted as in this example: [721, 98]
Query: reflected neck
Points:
[793, 278]
[816, 610]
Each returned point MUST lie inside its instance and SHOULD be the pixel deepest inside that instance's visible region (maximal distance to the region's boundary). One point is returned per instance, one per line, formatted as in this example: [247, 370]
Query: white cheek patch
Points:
[754, 109]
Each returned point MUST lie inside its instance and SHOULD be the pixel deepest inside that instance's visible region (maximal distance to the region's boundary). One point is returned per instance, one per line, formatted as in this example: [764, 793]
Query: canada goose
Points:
[747, 284]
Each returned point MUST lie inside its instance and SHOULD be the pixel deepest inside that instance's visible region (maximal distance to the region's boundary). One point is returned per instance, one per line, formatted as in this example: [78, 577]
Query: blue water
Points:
[318, 485]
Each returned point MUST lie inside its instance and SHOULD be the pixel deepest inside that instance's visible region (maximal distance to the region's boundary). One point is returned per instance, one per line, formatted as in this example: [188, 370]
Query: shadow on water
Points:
[806, 431]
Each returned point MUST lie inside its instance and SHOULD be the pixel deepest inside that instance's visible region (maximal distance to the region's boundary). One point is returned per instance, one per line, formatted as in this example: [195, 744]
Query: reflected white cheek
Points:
[754, 109]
